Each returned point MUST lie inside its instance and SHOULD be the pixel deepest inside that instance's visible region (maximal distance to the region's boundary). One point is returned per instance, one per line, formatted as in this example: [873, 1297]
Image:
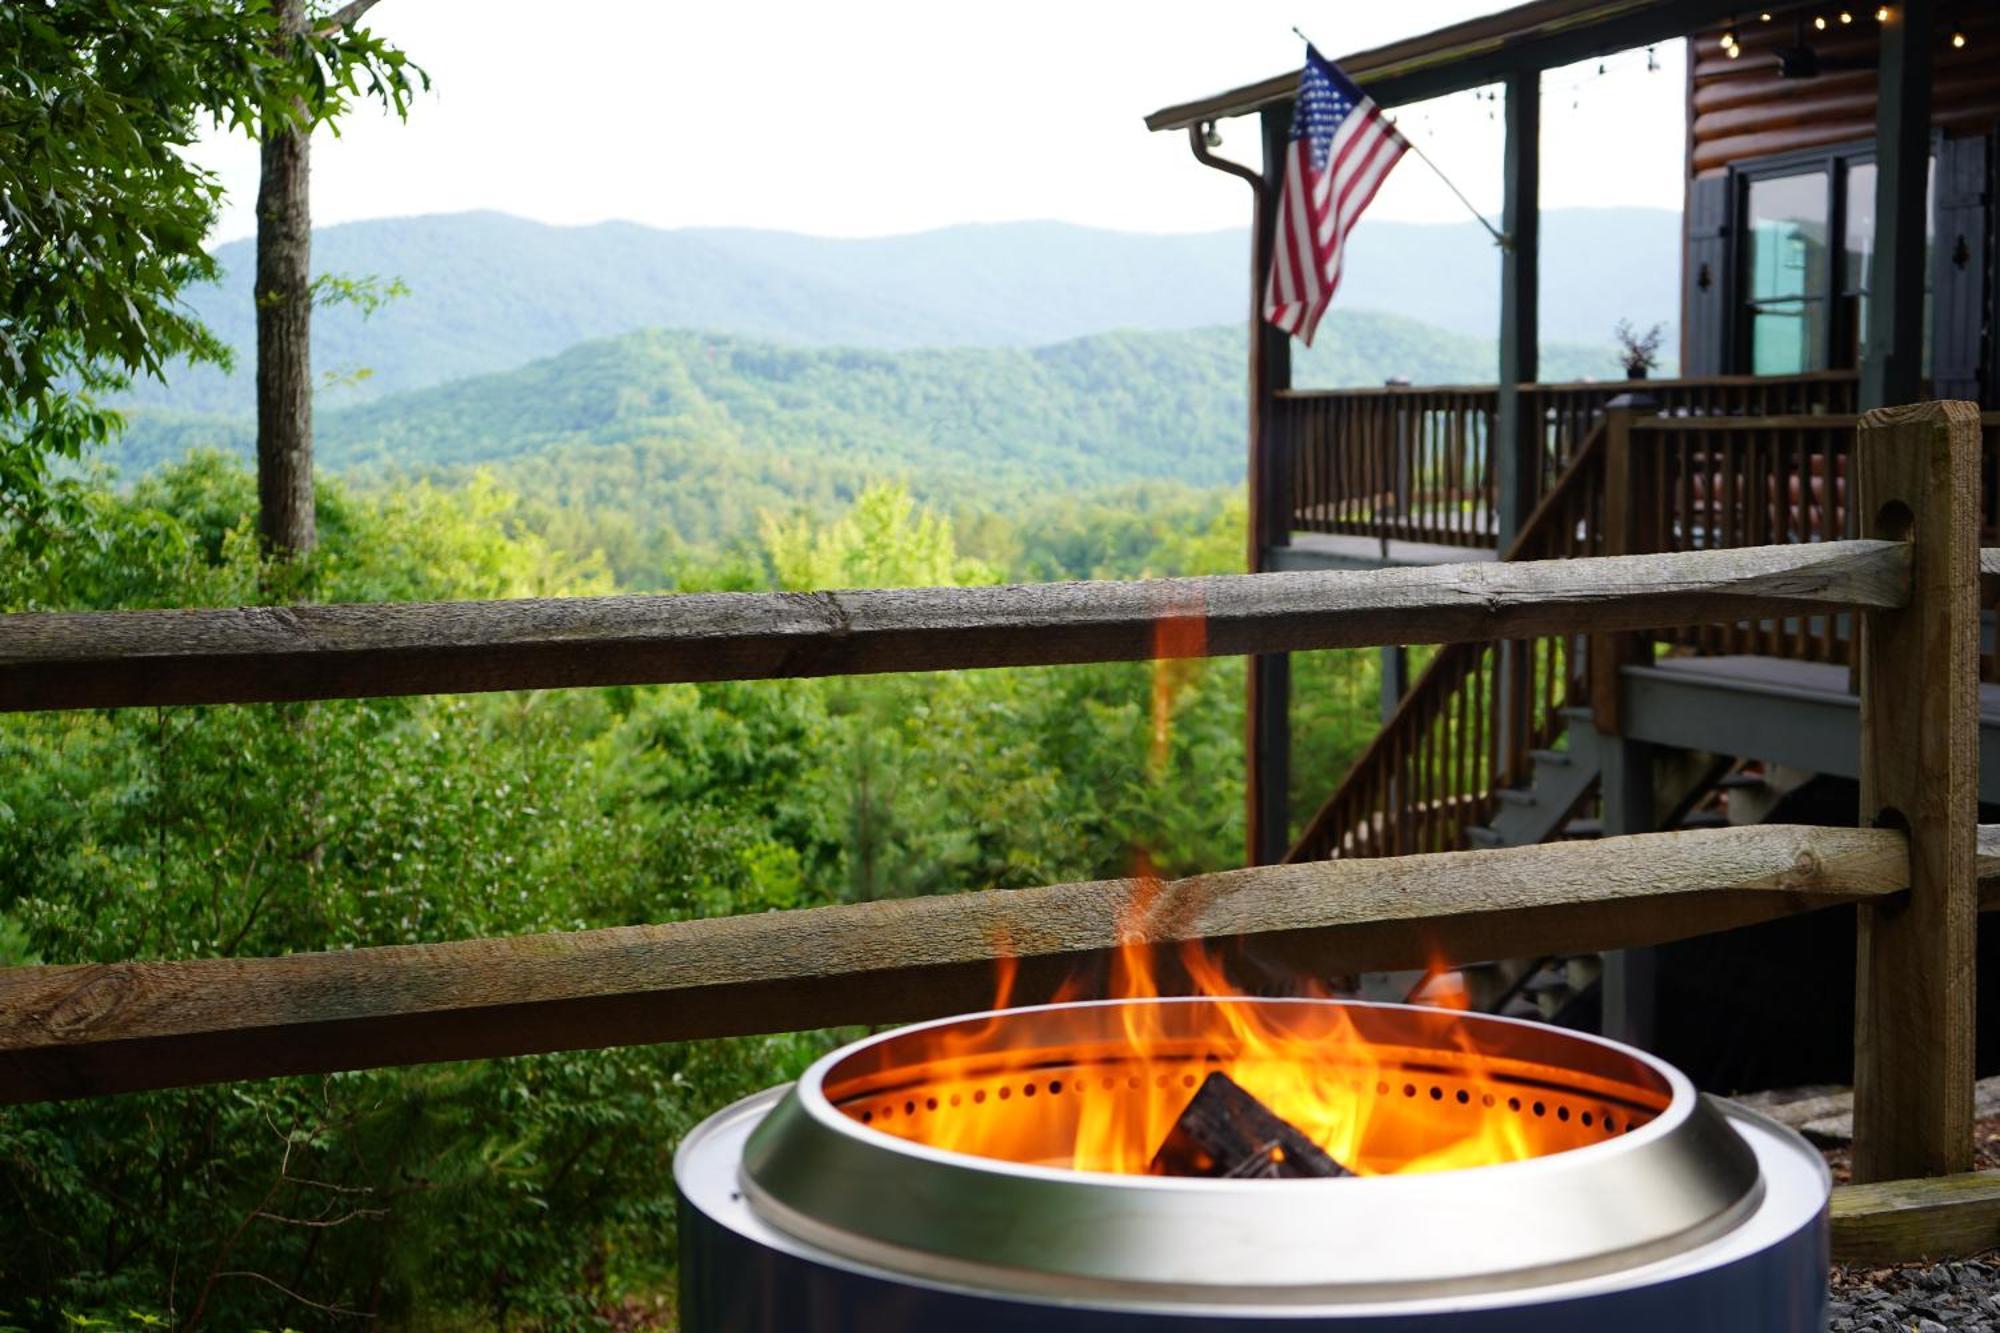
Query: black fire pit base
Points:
[739, 1274]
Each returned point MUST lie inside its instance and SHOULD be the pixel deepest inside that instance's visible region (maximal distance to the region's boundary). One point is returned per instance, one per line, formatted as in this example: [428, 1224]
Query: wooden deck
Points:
[1780, 710]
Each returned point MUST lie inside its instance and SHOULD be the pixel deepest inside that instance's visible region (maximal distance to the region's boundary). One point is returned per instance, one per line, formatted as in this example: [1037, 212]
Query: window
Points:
[1785, 276]
[1808, 255]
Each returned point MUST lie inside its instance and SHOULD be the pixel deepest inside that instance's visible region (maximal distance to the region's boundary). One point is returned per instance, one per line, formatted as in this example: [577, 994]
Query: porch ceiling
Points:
[1543, 34]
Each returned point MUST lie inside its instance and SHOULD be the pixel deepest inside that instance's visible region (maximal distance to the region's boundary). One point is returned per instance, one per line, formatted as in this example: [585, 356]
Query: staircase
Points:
[1558, 782]
[1474, 755]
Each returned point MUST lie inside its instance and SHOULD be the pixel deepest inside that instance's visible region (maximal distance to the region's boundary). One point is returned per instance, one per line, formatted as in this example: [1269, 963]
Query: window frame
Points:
[1833, 162]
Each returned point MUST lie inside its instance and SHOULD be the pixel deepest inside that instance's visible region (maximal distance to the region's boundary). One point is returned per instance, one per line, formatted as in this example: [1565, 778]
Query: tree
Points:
[102, 216]
[284, 287]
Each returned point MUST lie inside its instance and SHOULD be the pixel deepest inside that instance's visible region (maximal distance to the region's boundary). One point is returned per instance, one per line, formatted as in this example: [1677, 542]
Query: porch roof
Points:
[1542, 34]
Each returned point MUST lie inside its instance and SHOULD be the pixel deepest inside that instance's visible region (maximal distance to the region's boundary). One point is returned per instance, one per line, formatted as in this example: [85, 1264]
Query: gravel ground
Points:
[1918, 1298]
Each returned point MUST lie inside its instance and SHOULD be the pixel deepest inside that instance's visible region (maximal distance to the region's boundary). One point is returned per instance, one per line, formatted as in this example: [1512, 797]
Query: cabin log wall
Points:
[1742, 109]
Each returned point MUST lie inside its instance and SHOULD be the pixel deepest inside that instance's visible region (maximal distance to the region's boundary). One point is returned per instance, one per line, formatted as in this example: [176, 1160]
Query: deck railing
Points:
[1416, 464]
[1646, 480]
[81, 1030]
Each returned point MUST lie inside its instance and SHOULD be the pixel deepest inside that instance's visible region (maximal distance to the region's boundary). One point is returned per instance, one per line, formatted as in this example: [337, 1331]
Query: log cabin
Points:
[1839, 252]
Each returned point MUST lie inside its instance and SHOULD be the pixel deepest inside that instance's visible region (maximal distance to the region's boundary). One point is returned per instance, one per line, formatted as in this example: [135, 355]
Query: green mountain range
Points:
[488, 292]
[693, 434]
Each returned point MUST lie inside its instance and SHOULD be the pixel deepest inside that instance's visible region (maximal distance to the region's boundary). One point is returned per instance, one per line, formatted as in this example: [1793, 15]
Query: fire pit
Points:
[984, 1172]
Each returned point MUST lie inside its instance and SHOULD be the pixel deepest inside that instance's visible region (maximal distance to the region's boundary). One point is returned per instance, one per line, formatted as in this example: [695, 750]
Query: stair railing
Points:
[1471, 722]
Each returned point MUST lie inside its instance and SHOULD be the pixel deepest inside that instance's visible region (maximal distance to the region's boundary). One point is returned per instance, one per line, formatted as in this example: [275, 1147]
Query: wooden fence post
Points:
[1918, 472]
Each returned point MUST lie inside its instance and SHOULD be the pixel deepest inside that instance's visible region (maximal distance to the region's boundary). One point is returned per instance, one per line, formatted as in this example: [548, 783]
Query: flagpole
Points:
[1491, 230]
[1498, 239]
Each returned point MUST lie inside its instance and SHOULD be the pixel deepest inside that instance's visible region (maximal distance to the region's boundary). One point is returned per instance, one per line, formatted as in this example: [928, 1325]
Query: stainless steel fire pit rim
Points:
[1677, 1182]
[810, 1090]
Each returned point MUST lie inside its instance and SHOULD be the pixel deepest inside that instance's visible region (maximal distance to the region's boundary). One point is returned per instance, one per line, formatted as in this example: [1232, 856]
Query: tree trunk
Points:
[284, 333]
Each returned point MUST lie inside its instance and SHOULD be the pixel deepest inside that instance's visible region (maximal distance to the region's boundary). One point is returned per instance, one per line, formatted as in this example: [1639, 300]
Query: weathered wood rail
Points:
[72, 1031]
[105, 659]
[1916, 871]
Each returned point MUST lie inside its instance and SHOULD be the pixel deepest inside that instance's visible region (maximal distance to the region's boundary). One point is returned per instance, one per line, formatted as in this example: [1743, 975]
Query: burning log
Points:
[1226, 1132]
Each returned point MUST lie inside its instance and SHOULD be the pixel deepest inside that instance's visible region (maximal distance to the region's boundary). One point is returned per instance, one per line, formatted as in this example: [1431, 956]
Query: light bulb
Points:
[1764, 17]
[1735, 51]
[1958, 39]
[1846, 17]
[1212, 137]
[1728, 38]
[1882, 14]
[1819, 21]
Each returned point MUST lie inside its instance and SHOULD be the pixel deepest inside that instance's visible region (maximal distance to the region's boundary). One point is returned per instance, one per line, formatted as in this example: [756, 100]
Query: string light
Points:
[1846, 17]
[1728, 38]
[1882, 14]
[1958, 40]
[1819, 21]
[1764, 17]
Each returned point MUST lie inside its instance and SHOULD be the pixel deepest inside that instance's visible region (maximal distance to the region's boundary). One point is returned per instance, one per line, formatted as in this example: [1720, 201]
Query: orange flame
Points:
[1358, 1101]
[1362, 1103]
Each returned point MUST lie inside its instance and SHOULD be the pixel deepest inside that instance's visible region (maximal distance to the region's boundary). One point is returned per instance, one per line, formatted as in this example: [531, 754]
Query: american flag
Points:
[1341, 149]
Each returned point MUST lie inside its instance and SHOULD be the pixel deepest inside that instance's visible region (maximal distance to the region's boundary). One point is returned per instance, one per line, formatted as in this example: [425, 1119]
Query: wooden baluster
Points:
[1754, 467]
[1799, 528]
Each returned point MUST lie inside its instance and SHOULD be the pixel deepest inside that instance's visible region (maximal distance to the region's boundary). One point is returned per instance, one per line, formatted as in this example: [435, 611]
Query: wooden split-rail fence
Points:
[1911, 577]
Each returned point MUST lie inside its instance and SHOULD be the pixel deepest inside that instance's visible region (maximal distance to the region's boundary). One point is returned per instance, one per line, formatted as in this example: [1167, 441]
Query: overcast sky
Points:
[881, 116]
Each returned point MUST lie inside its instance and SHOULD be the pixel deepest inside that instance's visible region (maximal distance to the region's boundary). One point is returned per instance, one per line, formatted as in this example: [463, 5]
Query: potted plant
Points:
[1639, 351]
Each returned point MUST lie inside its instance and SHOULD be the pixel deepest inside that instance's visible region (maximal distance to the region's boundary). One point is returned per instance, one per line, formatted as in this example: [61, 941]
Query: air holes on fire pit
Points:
[1586, 1120]
[1437, 1093]
[1187, 1080]
[930, 1103]
[1381, 1089]
[1464, 1097]
[1486, 1100]
[1027, 1089]
[1610, 1125]
[979, 1096]
[1540, 1109]
[867, 1117]
[909, 1108]
[1513, 1103]
[1005, 1092]
[1409, 1089]
[1055, 1086]
[1562, 1113]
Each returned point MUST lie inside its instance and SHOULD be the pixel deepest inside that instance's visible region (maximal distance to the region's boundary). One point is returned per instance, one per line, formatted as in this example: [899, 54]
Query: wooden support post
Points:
[1630, 975]
[1518, 441]
[1892, 369]
[1395, 678]
[1623, 535]
[1918, 472]
[1267, 713]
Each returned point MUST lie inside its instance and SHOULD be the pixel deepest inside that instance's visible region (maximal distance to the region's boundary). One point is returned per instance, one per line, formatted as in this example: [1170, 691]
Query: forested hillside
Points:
[659, 442]
[534, 1193]
[488, 292]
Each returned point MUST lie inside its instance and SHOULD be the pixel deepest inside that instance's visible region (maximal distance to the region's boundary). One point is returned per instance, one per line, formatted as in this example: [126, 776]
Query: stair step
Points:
[1584, 828]
[1481, 836]
[1555, 758]
[1514, 796]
